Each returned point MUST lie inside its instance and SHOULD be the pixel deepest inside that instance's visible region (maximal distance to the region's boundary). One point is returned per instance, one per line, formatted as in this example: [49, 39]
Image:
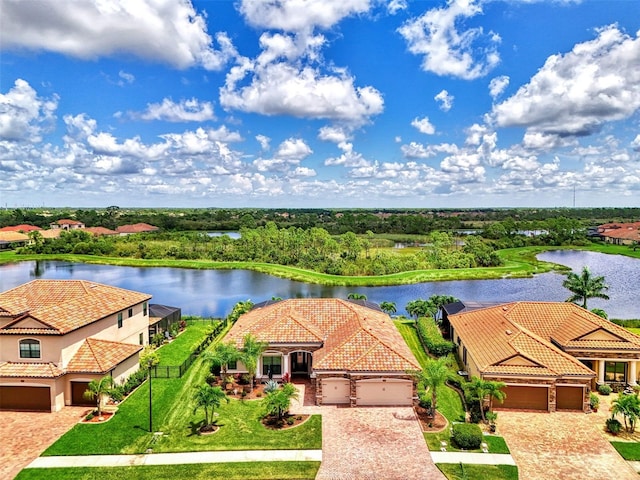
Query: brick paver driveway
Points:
[371, 443]
[562, 445]
[25, 435]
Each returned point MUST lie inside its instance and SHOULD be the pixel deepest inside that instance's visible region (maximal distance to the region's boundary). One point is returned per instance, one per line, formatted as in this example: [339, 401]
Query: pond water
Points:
[214, 292]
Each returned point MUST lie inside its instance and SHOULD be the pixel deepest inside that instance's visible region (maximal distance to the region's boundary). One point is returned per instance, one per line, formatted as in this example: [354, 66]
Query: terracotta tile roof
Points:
[353, 337]
[495, 335]
[100, 231]
[32, 370]
[20, 228]
[136, 228]
[13, 237]
[67, 221]
[64, 305]
[55, 233]
[100, 356]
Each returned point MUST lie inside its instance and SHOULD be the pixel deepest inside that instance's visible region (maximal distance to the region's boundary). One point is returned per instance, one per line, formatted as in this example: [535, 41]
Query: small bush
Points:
[271, 386]
[594, 400]
[604, 389]
[432, 337]
[117, 394]
[89, 416]
[613, 426]
[290, 421]
[424, 400]
[467, 436]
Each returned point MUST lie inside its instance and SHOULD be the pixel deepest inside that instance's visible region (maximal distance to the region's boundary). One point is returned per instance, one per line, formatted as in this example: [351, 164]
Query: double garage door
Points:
[25, 398]
[376, 391]
[537, 398]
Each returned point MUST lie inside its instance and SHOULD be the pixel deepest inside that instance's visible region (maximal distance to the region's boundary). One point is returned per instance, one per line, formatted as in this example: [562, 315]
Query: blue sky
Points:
[319, 103]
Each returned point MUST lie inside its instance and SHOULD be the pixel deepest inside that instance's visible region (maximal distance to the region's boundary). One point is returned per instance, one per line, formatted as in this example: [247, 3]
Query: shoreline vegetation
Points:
[519, 262]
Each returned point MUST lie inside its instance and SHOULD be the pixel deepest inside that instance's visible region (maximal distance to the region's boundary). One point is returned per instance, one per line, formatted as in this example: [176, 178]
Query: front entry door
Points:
[300, 362]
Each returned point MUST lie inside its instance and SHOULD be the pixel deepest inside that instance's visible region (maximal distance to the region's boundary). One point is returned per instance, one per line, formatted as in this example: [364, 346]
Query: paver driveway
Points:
[25, 435]
[370, 443]
[563, 445]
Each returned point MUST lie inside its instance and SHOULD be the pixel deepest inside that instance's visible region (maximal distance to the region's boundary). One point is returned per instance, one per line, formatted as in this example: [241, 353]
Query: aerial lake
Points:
[214, 292]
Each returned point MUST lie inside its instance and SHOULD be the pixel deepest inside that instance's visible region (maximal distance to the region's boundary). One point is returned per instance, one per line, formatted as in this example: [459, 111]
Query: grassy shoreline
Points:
[518, 263]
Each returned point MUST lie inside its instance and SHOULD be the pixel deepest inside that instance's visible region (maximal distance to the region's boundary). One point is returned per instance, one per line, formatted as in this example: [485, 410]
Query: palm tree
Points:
[585, 286]
[222, 355]
[418, 308]
[357, 296]
[250, 353]
[278, 402]
[495, 392]
[98, 389]
[629, 407]
[388, 307]
[477, 389]
[208, 398]
[433, 376]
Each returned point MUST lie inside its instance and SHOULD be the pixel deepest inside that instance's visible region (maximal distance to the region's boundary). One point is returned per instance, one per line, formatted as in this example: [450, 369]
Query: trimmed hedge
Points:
[467, 436]
[432, 337]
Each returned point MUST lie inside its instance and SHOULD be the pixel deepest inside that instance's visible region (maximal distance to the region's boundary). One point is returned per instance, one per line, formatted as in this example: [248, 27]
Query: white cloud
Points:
[423, 125]
[448, 50]
[333, 134]
[264, 142]
[165, 31]
[394, 6]
[23, 115]
[300, 15]
[575, 93]
[416, 150]
[293, 149]
[445, 100]
[126, 78]
[636, 144]
[349, 157]
[190, 110]
[498, 85]
[303, 172]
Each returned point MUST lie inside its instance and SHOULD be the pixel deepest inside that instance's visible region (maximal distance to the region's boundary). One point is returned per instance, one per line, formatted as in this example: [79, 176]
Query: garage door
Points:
[526, 398]
[384, 391]
[77, 394]
[336, 390]
[569, 398]
[25, 398]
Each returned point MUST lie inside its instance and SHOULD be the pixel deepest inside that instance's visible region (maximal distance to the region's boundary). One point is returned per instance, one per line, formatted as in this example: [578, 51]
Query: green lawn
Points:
[495, 443]
[179, 349]
[228, 471]
[628, 450]
[457, 471]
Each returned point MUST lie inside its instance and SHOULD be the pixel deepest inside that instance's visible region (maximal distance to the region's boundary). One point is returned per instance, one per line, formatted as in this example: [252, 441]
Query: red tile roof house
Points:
[22, 228]
[620, 233]
[352, 352]
[58, 335]
[549, 354]
[66, 224]
[136, 228]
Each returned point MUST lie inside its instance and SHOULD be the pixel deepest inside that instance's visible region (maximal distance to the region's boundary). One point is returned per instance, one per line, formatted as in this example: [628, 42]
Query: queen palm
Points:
[585, 286]
[222, 355]
[495, 392]
[250, 353]
[388, 307]
[208, 398]
[432, 377]
[97, 389]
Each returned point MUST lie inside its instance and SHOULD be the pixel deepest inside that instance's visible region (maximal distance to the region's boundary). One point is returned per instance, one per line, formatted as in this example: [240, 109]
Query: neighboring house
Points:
[136, 228]
[352, 351]
[66, 224]
[23, 228]
[58, 335]
[620, 233]
[161, 317]
[98, 231]
[12, 239]
[549, 354]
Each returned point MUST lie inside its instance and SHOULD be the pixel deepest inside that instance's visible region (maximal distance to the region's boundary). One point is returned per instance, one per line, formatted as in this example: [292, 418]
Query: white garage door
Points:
[384, 391]
[335, 390]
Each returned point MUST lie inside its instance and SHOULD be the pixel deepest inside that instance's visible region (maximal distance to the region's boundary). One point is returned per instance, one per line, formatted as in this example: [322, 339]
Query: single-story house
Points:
[550, 355]
[22, 228]
[350, 350]
[12, 239]
[58, 335]
[620, 233]
[136, 228]
[99, 231]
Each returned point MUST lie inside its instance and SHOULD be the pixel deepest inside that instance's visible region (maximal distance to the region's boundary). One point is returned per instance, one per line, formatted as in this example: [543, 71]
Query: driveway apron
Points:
[25, 435]
[563, 445]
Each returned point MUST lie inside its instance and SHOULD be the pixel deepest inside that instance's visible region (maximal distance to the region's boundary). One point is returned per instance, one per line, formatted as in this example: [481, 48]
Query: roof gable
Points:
[100, 356]
[601, 334]
[519, 360]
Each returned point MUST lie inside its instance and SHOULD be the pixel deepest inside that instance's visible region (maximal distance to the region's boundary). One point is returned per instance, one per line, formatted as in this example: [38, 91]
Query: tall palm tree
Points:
[208, 398]
[432, 377]
[222, 355]
[98, 389]
[585, 286]
[250, 353]
[495, 392]
[419, 308]
[388, 307]
[477, 389]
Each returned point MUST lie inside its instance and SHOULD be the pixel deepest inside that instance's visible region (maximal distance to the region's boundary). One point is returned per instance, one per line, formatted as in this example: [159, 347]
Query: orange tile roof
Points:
[64, 305]
[32, 370]
[100, 356]
[353, 337]
[67, 221]
[9, 236]
[20, 228]
[55, 233]
[100, 231]
[136, 228]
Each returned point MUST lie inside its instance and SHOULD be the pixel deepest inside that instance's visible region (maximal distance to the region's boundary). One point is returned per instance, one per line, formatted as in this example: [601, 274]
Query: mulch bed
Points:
[105, 416]
[428, 423]
[288, 421]
[236, 392]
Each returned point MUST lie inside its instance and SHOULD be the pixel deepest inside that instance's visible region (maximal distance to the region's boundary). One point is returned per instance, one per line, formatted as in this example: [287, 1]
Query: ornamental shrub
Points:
[467, 436]
[604, 389]
[613, 426]
[432, 337]
[424, 400]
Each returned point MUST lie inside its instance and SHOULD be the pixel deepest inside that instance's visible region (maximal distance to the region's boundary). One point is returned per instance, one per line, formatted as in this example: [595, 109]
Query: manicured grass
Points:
[181, 347]
[456, 471]
[628, 450]
[408, 331]
[495, 443]
[228, 471]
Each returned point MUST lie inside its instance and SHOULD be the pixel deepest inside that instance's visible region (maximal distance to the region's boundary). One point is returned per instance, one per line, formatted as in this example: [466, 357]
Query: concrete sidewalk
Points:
[178, 458]
[473, 458]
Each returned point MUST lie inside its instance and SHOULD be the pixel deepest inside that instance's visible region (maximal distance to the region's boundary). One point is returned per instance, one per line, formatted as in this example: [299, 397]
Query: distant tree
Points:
[98, 389]
[419, 308]
[356, 296]
[600, 312]
[388, 307]
[239, 309]
[585, 286]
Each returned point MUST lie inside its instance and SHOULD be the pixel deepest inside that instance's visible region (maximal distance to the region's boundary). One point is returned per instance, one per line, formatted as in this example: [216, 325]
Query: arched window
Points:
[29, 348]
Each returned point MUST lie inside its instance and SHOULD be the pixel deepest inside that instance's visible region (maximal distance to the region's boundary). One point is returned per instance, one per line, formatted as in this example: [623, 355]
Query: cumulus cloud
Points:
[24, 116]
[498, 85]
[445, 100]
[574, 93]
[293, 149]
[447, 48]
[191, 110]
[636, 144]
[394, 6]
[333, 134]
[349, 157]
[264, 142]
[165, 31]
[423, 125]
